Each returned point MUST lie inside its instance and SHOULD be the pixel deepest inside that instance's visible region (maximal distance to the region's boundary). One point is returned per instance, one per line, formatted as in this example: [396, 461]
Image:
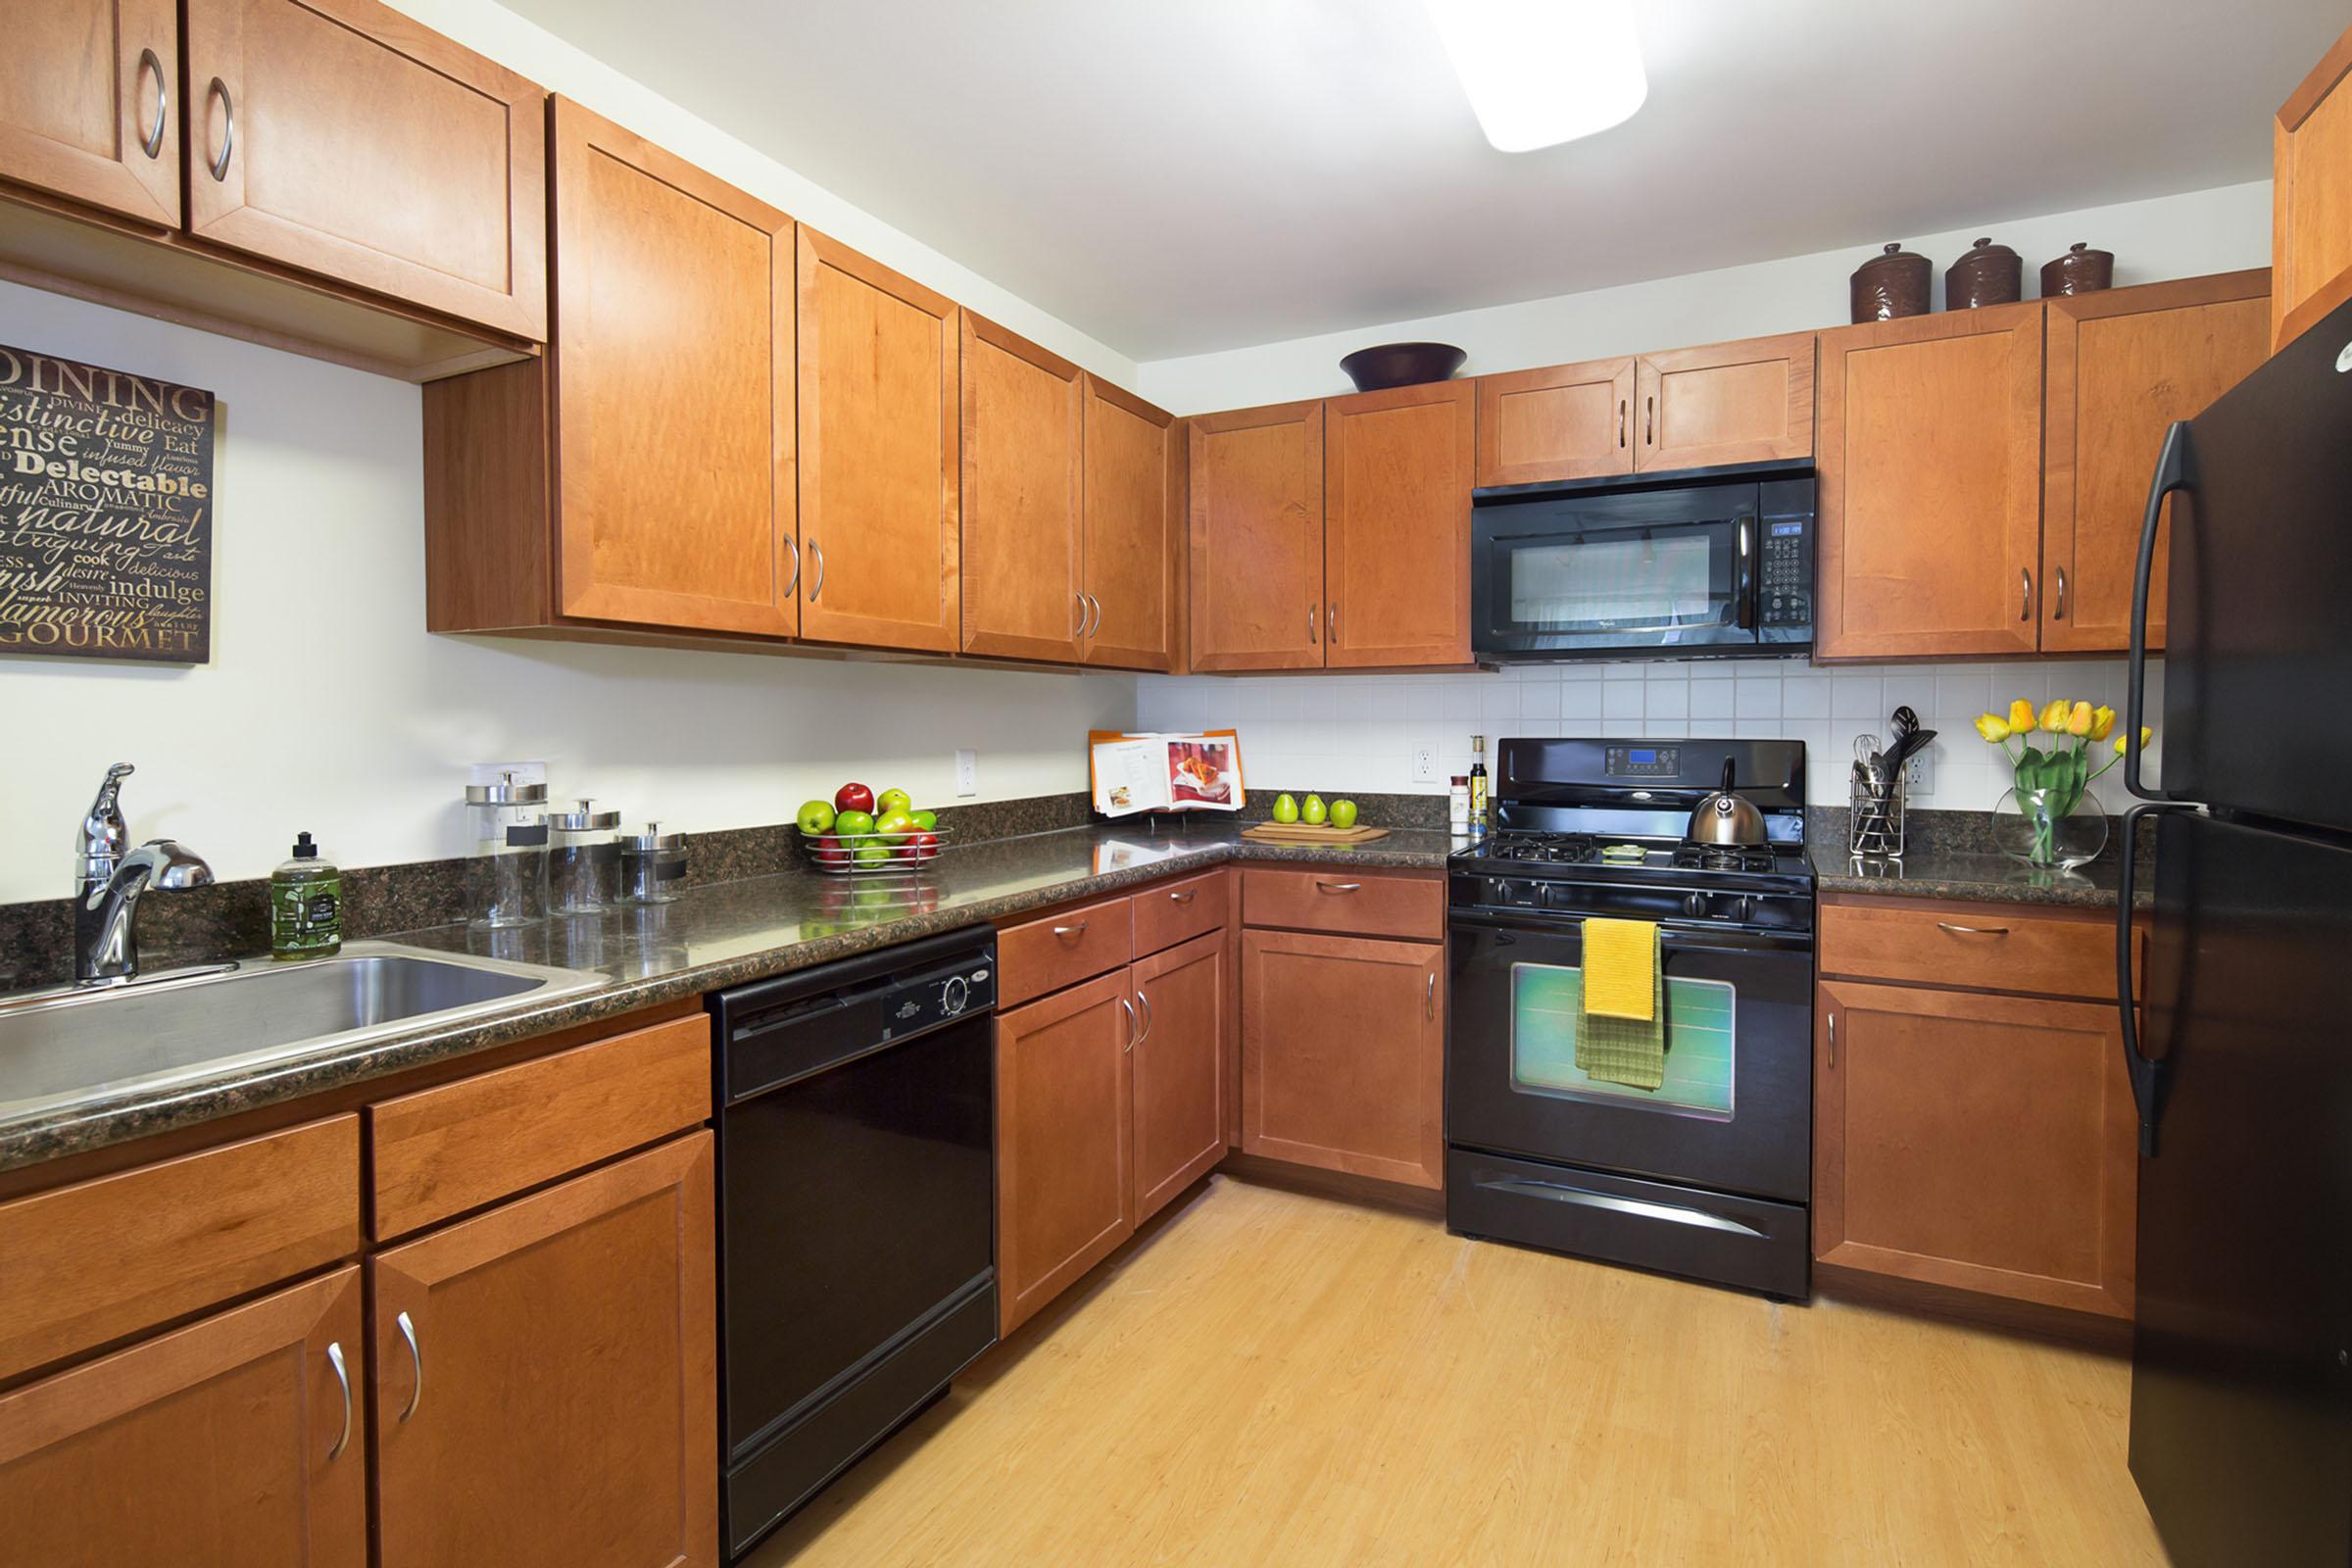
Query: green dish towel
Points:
[1626, 1051]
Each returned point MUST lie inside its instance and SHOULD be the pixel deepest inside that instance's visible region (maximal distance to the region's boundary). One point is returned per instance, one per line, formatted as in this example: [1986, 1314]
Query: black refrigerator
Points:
[2241, 1366]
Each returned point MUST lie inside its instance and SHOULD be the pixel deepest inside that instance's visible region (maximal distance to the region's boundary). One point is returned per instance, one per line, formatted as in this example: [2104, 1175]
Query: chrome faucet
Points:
[108, 880]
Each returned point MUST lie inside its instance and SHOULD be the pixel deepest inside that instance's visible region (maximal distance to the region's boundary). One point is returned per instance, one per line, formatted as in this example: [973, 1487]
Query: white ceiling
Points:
[1174, 177]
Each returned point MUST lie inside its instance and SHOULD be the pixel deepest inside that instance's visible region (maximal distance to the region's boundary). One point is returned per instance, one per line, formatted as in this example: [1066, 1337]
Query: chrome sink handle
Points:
[109, 880]
[104, 835]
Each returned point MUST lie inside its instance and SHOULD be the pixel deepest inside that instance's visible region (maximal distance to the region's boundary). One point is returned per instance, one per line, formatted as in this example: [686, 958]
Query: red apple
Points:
[922, 846]
[829, 850]
[853, 798]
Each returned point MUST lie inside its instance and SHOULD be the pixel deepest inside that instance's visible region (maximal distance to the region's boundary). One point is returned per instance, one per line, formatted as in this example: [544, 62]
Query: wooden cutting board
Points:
[1313, 833]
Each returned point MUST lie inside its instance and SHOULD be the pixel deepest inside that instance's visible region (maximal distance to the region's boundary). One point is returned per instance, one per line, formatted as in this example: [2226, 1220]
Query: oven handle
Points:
[1640, 1208]
[1692, 938]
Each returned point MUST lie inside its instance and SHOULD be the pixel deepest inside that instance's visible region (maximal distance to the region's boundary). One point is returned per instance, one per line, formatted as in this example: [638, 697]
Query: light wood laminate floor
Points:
[1281, 1378]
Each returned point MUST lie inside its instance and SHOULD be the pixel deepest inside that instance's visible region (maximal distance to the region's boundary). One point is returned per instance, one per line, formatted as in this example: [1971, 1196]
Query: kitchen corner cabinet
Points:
[89, 104]
[1132, 474]
[2311, 197]
[237, 1442]
[1023, 553]
[1929, 463]
[880, 523]
[2124, 364]
[1396, 480]
[1255, 500]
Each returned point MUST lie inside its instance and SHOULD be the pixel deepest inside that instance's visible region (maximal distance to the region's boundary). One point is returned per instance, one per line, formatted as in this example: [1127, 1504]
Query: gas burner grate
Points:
[1552, 848]
[1723, 858]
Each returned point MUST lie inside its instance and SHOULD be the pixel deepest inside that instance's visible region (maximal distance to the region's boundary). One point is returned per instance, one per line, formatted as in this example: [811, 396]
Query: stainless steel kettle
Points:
[1723, 817]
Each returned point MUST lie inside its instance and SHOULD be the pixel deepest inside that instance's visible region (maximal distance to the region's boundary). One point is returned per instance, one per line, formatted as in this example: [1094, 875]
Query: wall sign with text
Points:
[106, 513]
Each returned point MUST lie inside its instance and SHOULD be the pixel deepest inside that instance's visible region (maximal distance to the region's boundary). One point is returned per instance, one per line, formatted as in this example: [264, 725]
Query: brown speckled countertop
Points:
[1966, 867]
[715, 935]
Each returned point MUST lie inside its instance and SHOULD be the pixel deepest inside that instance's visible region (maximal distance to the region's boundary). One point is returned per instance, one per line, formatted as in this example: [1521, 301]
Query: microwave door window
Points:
[1620, 583]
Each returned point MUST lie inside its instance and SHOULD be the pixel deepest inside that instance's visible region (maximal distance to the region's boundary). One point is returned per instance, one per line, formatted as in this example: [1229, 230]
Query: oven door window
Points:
[1547, 1003]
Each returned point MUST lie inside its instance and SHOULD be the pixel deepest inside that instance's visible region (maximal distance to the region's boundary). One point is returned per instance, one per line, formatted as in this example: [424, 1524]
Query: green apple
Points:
[893, 801]
[1313, 811]
[1286, 809]
[872, 853]
[894, 822]
[817, 816]
[1343, 814]
[854, 824]
[928, 821]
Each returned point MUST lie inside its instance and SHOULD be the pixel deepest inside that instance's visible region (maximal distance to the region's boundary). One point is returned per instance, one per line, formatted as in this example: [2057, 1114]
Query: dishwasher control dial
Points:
[953, 994]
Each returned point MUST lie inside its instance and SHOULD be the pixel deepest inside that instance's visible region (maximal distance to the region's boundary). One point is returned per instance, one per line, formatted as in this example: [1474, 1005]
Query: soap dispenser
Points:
[306, 905]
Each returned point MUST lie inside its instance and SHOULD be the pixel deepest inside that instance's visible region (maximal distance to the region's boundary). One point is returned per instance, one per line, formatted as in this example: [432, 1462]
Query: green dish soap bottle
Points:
[306, 905]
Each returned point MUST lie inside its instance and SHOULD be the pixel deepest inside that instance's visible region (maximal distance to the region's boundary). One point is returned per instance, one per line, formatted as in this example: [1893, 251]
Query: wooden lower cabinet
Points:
[1179, 1089]
[237, 1442]
[547, 1377]
[1343, 1062]
[1973, 1141]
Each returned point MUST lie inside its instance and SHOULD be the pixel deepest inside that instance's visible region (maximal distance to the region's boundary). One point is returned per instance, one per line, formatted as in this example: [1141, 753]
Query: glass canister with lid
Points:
[505, 877]
[583, 859]
[652, 865]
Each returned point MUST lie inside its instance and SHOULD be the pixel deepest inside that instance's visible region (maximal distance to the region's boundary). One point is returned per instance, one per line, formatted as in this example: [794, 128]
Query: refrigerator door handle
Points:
[2173, 472]
[2148, 1076]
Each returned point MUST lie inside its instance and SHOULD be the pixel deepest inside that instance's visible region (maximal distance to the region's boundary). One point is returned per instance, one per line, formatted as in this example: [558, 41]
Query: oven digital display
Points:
[1644, 761]
[1787, 530]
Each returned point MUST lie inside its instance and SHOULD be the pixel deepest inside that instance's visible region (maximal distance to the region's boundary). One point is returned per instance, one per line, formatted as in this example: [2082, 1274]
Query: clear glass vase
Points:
[2044, 829]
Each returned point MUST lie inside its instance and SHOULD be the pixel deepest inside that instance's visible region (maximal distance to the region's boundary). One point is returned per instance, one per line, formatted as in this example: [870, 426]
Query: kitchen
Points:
[589, 414]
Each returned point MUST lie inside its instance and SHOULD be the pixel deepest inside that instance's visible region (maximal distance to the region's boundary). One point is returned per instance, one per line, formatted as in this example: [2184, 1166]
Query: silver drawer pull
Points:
[1077, 930]
[408, 1332]
[1640, 1208]
[1186, 897]
[153, 142]
[1972, 930]
[1340, 887]
[228, 130]
[334, 1359]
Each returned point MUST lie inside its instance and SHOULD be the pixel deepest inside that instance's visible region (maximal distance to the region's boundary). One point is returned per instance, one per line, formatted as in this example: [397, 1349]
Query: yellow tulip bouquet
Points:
[2051, 776]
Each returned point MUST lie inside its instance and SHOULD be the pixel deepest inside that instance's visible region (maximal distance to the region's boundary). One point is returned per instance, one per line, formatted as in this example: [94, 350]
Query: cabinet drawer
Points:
[443, 1151]
[1178, 911]
[1989, 946]
[101, 1258]
[1062, 950]
[1343, 900]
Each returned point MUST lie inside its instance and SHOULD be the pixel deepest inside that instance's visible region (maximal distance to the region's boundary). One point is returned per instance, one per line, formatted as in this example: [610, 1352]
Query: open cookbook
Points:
[1158, 773]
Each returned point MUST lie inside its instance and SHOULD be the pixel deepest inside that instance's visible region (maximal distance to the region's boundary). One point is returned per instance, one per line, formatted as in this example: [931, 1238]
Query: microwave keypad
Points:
[1788, 587]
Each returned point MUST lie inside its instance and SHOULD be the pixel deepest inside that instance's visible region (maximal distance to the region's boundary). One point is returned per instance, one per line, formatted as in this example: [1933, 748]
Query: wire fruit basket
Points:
[901, 854]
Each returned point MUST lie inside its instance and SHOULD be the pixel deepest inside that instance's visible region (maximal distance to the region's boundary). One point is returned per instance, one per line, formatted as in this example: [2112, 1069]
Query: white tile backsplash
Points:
[1358, 732]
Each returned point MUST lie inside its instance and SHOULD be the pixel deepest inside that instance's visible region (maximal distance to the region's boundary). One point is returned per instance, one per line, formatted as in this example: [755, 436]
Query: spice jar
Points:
[583, 861]
[651, 864]
[2081, 271]
[1891, 284]
[505, 877]
[1984, 275]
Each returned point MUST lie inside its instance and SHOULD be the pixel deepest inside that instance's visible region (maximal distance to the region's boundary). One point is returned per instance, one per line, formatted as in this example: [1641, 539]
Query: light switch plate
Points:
[967, 773]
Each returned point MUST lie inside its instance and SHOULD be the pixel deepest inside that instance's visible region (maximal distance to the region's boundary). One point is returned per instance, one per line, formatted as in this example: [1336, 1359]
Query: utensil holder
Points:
[1874, 829]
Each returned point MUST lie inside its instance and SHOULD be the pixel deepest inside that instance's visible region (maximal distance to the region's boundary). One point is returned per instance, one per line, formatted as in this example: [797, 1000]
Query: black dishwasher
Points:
[856, 1191]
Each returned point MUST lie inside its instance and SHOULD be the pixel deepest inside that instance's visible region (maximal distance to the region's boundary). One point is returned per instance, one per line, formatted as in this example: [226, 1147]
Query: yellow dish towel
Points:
[1621, 966]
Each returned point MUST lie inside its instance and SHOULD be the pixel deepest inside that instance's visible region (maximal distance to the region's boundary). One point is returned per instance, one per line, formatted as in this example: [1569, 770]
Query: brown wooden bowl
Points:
[1389, 365]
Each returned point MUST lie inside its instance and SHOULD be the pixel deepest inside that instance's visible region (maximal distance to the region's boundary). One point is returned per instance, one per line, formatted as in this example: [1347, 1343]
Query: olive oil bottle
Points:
[306, 905]
[1478, 784]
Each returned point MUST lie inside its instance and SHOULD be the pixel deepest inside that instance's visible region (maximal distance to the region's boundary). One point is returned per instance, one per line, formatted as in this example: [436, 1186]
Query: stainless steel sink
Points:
[61, 1046]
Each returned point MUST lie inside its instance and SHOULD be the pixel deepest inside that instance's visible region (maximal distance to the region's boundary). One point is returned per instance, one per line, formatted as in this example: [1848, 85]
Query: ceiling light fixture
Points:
[1539, 72]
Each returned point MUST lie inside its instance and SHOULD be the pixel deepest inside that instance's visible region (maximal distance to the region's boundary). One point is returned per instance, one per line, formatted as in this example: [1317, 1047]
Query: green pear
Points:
[1286, 809]
[1313, 811]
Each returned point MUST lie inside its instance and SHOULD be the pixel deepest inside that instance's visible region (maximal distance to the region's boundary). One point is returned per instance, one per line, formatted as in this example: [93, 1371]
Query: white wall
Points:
[2171, 237]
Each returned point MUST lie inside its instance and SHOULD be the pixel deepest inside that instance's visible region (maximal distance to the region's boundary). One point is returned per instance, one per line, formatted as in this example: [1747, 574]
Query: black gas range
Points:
[1709, 1174]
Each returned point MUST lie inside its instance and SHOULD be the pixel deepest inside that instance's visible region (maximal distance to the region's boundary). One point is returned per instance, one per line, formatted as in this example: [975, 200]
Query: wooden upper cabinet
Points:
[1023, 550]
[879, 518]
[237, 1442]
[341, 137]
[2124, 364]
[2310, 198]
[1397, 481]
[89, 104]
[1930, 465]
[1257, 529]
[547, 1377]
[673, 388]
[1131, 529]
[1185, 993]
[1564, 421]
[1746, 401]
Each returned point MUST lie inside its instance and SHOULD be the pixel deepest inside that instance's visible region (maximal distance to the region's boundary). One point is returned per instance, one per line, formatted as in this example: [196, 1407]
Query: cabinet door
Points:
[343, 138]
[1748, 402]
[1397, 526]
[2124, 364]
[1564, 421]
[1185, 993]
[1131, 532]
[1343, 1062]
[1972, 1140]
[674, 390]
[879, 525]
[1256, 526]
[1931, 485]
[88, 104]
[1064, 1125]
[547, 1377]
[1023, 557]
[2311, 197]
[234, 1442]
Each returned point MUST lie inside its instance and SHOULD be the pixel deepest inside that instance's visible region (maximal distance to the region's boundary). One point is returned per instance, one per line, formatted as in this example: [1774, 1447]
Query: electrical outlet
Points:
[967, 773]
[1919, 773]
[1425, 764]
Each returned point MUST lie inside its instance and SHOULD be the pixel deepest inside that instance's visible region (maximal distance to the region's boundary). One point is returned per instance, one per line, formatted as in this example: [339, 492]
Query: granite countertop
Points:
[1975, 876]
[715, 935]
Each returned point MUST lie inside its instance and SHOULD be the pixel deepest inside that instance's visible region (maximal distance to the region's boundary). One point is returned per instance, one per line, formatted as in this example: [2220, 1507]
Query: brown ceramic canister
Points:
[1891, 284]
[2081, 271]
[1985, 275]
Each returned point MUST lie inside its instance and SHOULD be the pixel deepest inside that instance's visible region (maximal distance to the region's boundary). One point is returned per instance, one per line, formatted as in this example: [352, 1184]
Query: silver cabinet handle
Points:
[228, 129]
[2058, 608]
[792, 584]
[1833, 1040]
[1972, 930]
[2025, 602]
[1097, 629]
[1428, 1002]
[408, 1332]
[1147, 1006]
[1331, 623]
[1650, 421]
[1077, 930]
[153, 142]
[1621, 423]
[1311, 623]
[818, 586]
[1129, 1008]
[1079, 631]
[1339, 887]
[1186, 897]
[334, 1359]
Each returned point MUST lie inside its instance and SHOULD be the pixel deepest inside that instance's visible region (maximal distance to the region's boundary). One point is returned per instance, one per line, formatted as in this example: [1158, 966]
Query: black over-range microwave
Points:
[1701, 564]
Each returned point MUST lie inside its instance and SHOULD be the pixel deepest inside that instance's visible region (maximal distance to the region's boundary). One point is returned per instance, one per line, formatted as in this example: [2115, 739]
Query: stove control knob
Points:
[1695, 905]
